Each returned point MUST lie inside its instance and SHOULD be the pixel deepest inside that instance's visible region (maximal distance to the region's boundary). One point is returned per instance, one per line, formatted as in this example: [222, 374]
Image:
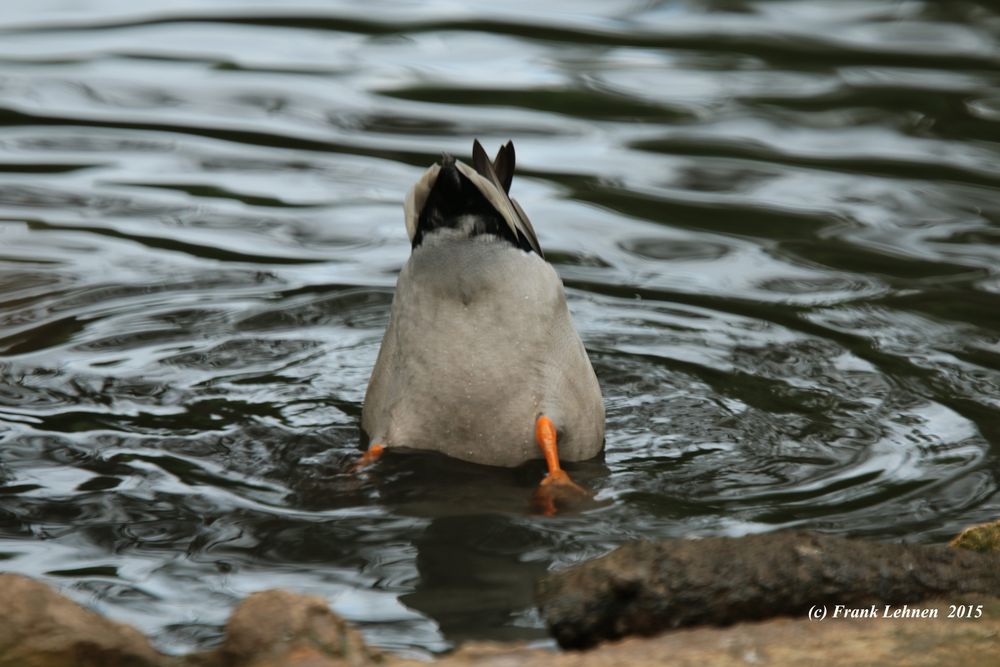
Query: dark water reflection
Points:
[778, 224]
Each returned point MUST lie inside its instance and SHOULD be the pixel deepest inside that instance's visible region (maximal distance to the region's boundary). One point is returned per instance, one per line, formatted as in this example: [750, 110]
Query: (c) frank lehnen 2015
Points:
[906, 611]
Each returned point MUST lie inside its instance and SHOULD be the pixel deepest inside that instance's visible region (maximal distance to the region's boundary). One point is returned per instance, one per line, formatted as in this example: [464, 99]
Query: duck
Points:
[480, 360]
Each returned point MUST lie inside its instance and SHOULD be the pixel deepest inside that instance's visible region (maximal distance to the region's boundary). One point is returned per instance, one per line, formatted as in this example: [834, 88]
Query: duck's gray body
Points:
[479, 345]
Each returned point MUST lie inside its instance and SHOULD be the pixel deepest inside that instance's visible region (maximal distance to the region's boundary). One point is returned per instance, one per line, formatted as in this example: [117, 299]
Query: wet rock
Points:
[645, 588]
[983, 538]
[273, 628]
[41, 628]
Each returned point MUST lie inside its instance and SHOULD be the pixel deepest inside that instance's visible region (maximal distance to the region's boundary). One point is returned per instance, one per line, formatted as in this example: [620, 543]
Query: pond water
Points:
[778, 224]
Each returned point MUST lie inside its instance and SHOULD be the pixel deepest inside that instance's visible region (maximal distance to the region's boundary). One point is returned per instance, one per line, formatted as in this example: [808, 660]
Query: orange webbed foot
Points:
[557, 490]
[373, 454]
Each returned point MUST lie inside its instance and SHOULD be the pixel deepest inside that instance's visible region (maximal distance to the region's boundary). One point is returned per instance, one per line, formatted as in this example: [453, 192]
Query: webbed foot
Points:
[557, 490]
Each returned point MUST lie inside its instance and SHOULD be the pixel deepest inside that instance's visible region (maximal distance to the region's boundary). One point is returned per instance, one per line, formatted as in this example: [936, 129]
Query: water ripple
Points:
[777, 224]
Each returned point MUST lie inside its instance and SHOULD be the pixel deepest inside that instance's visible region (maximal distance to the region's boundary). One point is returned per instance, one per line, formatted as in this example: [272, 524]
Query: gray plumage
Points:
[480, 342]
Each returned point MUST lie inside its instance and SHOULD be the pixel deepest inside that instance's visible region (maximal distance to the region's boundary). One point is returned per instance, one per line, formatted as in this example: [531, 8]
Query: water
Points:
[778, 223]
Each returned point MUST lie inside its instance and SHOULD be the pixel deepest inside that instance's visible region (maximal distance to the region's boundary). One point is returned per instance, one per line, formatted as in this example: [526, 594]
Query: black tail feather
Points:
[455, 202]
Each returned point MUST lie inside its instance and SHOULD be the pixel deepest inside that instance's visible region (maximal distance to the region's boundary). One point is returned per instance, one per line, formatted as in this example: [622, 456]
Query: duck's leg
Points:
[373, 454]
[557, 485]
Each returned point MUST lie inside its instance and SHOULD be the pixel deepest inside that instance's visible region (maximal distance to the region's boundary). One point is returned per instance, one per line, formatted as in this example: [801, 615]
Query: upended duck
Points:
[480, 360]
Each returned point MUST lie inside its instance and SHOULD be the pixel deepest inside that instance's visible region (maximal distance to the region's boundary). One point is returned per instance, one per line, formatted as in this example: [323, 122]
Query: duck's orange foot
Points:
[557, 491]
[373, 454]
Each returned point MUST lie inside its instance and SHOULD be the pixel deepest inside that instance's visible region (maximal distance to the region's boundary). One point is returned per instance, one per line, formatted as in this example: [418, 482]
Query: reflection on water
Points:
[777, 223]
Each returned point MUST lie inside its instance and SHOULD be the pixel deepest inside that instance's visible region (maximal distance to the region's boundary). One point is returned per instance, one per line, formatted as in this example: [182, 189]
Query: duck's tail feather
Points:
[453, 195]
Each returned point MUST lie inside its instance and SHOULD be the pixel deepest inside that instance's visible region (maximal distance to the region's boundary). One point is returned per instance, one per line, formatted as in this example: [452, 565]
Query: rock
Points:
[983, 538]
[273, 628]
[645, 588]
[785, 642]
[41, 628]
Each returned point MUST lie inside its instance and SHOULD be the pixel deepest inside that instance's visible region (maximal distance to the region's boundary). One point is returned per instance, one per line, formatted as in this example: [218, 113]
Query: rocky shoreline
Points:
[925, 605]
[646, 588]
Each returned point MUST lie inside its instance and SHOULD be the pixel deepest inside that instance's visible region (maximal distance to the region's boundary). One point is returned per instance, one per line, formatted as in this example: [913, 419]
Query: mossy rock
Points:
[983, 538]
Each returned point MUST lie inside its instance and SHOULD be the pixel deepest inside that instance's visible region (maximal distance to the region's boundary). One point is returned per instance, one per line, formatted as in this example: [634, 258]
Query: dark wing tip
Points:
[500, 173]
[480, 160]
[503, 165]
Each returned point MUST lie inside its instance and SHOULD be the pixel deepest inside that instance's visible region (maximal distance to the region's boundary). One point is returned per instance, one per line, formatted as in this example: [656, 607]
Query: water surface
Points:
[778, 224]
